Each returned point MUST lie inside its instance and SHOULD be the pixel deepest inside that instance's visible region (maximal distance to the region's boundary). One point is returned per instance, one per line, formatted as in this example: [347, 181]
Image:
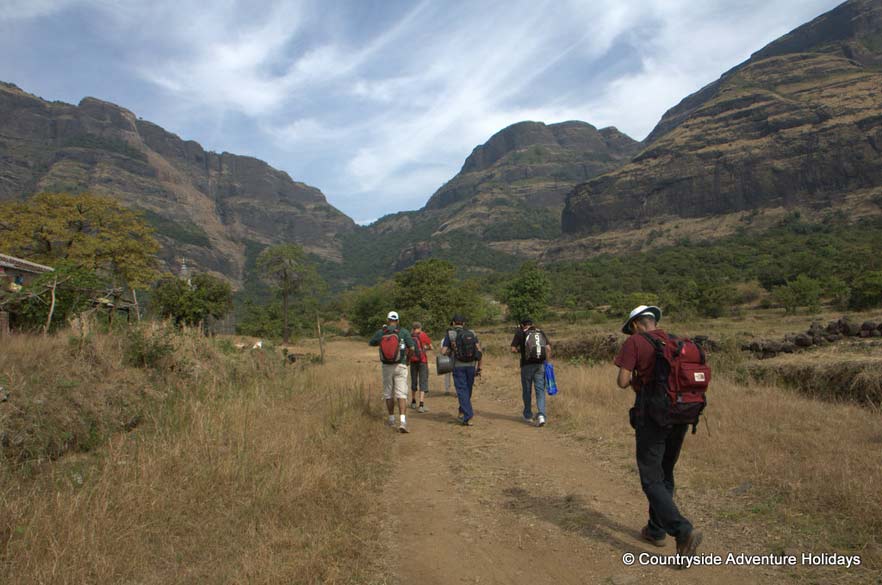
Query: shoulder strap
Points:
[656, 342]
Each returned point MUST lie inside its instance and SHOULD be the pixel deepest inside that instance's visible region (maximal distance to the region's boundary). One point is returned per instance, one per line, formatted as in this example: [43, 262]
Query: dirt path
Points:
[504, 502]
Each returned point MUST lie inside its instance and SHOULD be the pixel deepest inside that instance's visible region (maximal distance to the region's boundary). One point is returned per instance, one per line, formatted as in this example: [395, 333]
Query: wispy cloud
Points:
[379, 104]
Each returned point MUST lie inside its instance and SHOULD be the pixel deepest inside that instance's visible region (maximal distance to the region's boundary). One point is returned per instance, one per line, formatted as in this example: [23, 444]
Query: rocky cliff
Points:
[210, 208]
[797, 125]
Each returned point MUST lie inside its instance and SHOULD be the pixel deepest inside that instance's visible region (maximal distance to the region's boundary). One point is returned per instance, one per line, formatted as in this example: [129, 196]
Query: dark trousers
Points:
[419, 377]
[657, 451]
[463, 381]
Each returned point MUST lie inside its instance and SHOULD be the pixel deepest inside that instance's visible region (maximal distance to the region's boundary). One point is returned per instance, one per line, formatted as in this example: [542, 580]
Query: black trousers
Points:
[657, 451]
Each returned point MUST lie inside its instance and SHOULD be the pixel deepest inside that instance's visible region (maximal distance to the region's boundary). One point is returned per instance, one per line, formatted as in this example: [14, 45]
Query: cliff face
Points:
[207, 207]
[798, 124]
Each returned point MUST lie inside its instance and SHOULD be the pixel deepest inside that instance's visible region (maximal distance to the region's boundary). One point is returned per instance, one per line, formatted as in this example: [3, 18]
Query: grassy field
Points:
[154, 458]
[243, 469]
[794, 472]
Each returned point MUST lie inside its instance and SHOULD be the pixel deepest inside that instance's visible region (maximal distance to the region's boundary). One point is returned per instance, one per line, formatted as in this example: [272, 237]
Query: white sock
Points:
[392, 418]
[403, 421]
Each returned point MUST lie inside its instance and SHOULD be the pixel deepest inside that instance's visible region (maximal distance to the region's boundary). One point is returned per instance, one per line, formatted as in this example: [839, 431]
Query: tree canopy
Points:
[86, 230]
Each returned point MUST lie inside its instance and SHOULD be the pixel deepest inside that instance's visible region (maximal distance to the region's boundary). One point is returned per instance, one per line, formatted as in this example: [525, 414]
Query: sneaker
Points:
[528, 419]
[403, 428]
[413, 406]
[422, 409]
[390, 423]
[644, 534]
[467, 423]
[687, 546]
[540, 420]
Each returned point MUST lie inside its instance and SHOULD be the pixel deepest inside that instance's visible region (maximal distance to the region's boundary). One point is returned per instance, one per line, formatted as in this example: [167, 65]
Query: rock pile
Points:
[817, 335]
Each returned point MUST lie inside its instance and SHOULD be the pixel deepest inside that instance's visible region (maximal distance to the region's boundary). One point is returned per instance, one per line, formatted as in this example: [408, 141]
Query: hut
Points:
[14, 274]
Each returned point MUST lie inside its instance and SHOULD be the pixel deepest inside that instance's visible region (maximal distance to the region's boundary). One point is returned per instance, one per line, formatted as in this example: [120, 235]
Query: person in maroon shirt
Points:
[657, 447]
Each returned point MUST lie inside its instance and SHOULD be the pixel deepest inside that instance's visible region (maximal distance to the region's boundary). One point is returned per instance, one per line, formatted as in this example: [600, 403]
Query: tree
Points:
[367, 307]
[866, 292]
[89, 231]
[802, 291]
[428, 292]
[190, 303]
[286, 268]
[528, 294]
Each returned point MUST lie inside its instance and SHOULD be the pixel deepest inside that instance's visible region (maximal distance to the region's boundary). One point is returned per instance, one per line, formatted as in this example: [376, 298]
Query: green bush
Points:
[803, 291]
[866, 292]
[147, 345]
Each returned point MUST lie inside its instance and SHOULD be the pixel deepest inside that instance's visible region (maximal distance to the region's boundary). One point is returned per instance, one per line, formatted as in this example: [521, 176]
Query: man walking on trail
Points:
[535, 350]
[395, 345]
[658, 447]
[465, 348]
[419, 366]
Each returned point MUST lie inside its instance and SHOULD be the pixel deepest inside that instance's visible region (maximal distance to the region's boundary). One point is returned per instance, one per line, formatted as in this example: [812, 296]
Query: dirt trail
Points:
[505, 502]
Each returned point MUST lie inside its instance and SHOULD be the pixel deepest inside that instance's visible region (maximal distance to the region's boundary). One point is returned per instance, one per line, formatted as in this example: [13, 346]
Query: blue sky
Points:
[377, 103]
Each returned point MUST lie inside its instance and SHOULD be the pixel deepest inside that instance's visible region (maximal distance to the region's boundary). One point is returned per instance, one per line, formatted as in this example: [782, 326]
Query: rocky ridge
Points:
[798, 124]
[212, 208]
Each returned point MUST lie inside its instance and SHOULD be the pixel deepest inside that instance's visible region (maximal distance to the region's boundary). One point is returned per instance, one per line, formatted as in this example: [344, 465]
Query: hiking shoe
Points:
[422, 409]
[403, 428]
[687, 546]
[644, 534]
[540, 420]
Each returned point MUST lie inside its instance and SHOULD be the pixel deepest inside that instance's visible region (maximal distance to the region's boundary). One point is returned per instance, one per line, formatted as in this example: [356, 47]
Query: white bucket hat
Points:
[640, 311]
[392, 316]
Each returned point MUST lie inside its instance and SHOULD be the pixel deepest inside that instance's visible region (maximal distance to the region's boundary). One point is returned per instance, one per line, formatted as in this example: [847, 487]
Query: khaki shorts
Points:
[394, 381]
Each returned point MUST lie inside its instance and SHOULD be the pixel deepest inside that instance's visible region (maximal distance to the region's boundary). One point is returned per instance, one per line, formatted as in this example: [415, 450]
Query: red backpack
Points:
[676, 394]
[390, 346]
[416, 356]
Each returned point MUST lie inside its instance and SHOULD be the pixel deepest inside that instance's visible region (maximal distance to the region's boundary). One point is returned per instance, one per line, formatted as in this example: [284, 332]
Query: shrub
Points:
[800, 292]
[866, 292]
[148, 345]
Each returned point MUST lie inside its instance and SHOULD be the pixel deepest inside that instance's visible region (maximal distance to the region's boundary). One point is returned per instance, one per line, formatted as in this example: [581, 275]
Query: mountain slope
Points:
[797, 125]
[503, 206]
[214, 209]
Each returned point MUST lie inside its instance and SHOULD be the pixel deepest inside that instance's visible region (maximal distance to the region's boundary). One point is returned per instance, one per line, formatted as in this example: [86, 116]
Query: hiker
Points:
[419, 366]
[535, 350]
[465, 348]
[657, 446]
[395, 346]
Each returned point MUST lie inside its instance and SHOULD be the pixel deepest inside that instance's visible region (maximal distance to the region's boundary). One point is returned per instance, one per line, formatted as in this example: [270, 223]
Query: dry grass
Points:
[250, 472]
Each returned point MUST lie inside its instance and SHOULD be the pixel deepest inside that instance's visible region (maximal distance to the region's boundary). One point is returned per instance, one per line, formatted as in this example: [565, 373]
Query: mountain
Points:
[798, 125]
[215, 210]
[503, 206]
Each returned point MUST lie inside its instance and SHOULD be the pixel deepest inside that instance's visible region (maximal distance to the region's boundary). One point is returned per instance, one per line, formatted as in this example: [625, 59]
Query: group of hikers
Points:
[404, 352]
[668, 374]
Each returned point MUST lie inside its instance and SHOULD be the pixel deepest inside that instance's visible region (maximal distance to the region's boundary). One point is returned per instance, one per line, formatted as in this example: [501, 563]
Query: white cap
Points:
[640, 311]
[392, 316]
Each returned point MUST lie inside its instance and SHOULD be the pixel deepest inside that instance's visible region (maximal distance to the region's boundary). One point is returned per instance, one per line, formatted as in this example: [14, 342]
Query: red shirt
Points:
[637, 355]
[423, 340]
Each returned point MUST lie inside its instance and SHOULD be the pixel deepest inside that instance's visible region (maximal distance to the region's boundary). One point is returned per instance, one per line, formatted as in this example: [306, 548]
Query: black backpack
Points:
[464, 344]
[535, 346]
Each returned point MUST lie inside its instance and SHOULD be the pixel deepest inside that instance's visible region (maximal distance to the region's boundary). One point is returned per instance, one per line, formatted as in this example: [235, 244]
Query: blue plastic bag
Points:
[550, 383]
